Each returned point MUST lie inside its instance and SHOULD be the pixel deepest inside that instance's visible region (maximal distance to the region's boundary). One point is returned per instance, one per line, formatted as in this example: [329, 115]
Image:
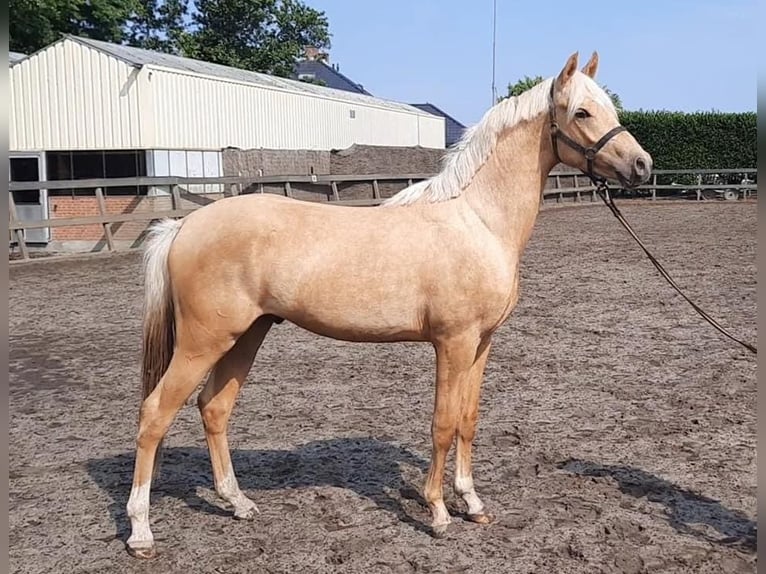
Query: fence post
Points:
[175, 198]
[654, 189]
[375, 189]
[102, 212]
[577, 185]
[335, 194]
[288, 189]
[19, 232]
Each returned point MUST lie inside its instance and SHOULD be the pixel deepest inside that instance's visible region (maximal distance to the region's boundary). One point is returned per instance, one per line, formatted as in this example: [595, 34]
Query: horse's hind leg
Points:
[188, 366]
[465, 435]
[216, 402]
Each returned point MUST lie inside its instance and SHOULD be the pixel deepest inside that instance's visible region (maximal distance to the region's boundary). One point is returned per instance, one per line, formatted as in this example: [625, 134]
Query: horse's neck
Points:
[506, 190]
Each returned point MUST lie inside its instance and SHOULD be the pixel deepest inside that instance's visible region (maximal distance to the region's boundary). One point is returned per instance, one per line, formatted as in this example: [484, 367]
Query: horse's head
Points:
[586, 132]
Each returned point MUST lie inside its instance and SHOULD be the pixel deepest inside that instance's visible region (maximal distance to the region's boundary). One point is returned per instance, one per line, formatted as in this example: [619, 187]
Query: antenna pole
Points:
[494, 35]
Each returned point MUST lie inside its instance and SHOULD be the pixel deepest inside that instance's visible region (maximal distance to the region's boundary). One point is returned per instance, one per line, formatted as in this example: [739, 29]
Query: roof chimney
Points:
[312, 53]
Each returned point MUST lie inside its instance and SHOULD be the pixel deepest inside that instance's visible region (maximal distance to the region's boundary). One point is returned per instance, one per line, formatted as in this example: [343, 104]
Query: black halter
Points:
[588, 152]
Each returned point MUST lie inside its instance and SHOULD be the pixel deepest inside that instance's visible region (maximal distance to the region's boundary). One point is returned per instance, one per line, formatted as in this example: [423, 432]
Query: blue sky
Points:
[684, 55]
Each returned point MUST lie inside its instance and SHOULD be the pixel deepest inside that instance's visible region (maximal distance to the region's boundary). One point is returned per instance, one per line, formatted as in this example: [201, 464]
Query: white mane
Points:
[464, 159]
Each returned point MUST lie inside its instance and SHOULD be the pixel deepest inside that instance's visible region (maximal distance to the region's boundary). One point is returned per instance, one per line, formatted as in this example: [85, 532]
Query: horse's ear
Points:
[569, 69]
[591, 67]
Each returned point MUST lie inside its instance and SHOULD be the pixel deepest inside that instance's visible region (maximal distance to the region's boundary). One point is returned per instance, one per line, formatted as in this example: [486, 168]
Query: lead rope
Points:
[603, 191]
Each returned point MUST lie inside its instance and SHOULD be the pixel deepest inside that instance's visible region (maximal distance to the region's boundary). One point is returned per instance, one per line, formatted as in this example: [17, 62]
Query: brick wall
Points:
[363, 159]
[67, 207]
[275, 162]
[355, 160]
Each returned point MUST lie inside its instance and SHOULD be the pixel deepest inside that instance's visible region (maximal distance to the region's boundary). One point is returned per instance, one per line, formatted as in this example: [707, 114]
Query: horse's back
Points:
[355, 273]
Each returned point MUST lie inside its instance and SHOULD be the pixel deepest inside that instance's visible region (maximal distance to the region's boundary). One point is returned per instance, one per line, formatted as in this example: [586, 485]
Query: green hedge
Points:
[704, 140]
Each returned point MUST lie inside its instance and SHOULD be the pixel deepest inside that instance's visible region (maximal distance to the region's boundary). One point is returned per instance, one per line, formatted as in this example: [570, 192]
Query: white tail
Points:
[161, 236]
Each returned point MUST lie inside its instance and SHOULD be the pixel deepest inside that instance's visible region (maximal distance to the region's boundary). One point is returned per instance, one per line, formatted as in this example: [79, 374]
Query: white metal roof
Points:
[15, 56]
[140, 57]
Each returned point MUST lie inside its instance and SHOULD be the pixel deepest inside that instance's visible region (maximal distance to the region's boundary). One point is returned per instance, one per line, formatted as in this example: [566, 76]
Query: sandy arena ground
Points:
[617, 429]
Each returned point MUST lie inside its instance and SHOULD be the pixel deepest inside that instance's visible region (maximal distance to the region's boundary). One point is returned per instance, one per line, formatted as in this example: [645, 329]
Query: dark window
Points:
[110, 164]
[59, 165]
[25, 169]
[87, 165]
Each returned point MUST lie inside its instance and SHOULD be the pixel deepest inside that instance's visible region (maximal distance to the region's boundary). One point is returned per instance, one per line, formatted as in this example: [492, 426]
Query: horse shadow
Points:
[683, 507]
[369, 467]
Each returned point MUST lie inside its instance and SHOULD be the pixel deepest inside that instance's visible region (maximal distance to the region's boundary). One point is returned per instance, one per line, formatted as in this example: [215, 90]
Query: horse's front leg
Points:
[465, 433]
[455, 358]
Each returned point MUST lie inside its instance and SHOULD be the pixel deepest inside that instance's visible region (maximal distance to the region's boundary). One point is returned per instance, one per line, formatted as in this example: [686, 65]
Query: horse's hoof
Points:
[246, 514]
[439, 530]
[481, 518]
[144, 553]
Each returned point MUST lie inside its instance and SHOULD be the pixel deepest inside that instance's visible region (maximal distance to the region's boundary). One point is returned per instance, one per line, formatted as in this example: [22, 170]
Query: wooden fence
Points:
[325, 185]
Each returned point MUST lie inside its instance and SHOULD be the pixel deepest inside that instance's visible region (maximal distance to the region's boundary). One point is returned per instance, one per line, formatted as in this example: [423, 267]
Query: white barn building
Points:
[82, 108]
[80, 93]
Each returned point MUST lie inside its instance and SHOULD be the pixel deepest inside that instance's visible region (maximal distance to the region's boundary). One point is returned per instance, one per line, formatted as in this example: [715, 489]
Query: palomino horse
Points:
[437, 263]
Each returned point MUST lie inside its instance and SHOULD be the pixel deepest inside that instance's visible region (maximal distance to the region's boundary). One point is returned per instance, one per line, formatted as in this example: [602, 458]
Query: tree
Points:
[522, 86]
[262, 35]
[526, 82]
[159, 26]
[616, 100]
[33, 24]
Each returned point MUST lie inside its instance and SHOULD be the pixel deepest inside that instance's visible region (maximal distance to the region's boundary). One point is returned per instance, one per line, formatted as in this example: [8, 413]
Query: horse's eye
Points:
[581, 114]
